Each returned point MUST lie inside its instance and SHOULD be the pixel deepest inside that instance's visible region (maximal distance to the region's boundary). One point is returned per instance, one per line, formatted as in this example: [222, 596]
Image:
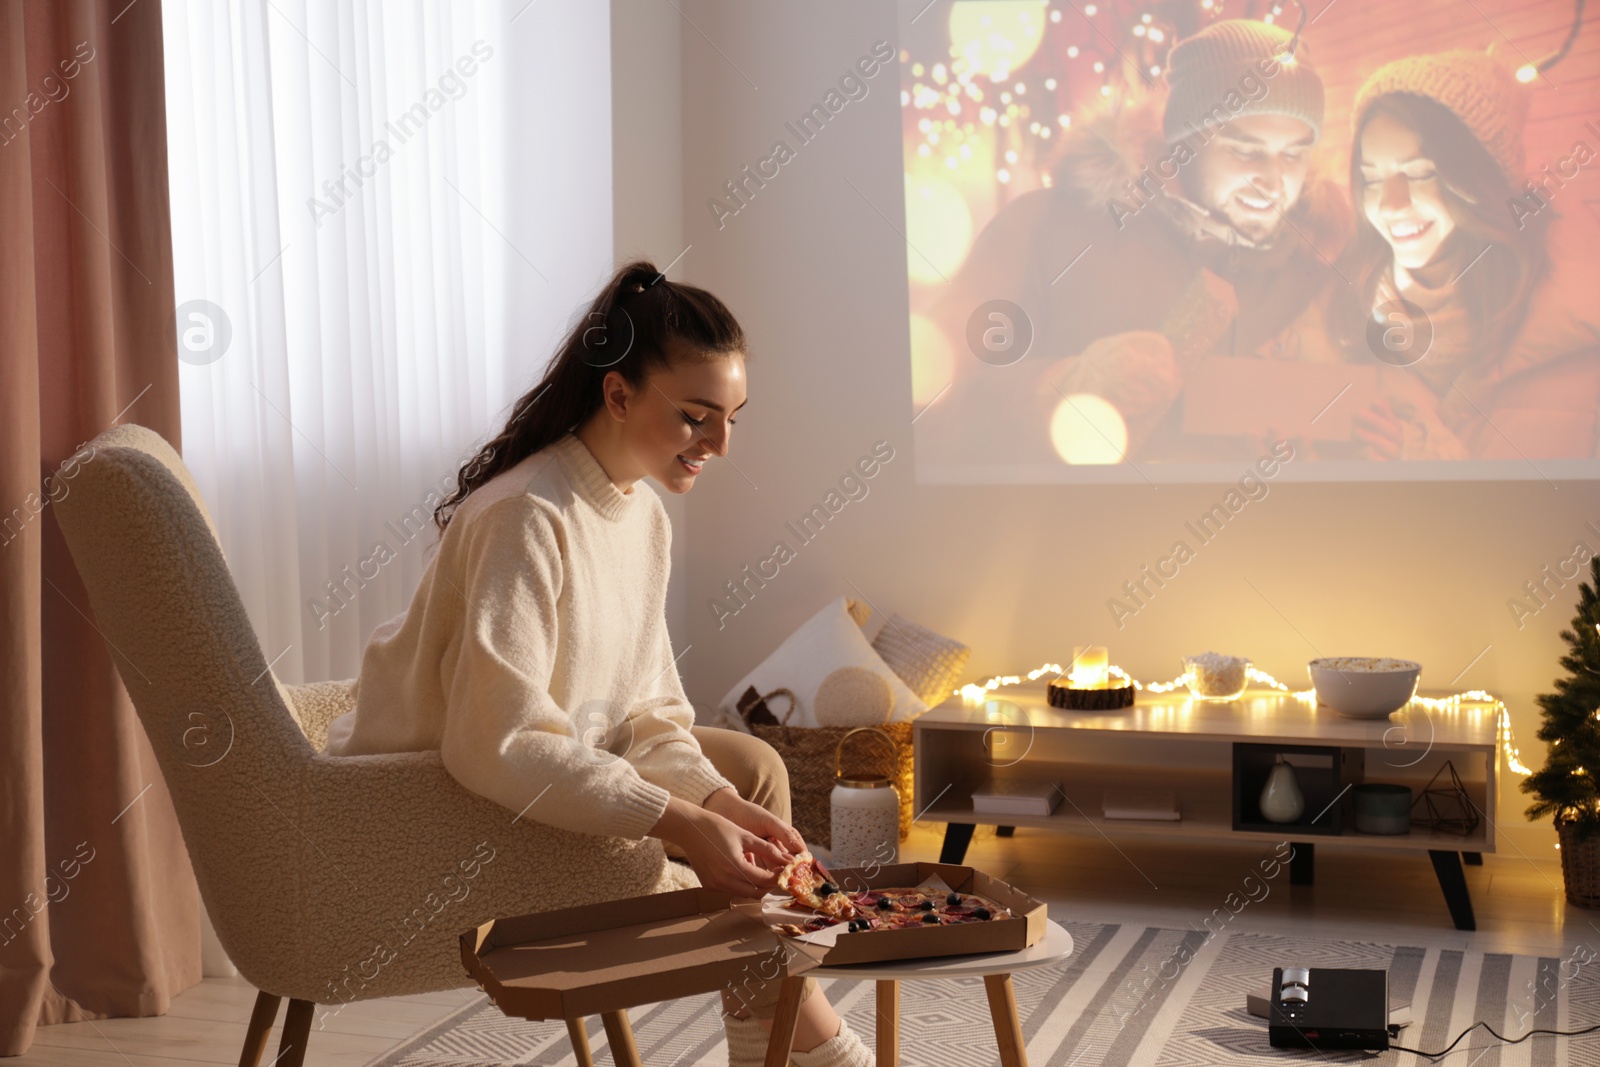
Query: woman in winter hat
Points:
[1463, 274]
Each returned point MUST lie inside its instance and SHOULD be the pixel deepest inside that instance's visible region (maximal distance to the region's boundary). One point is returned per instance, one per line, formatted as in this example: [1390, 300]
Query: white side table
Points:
[996, 970]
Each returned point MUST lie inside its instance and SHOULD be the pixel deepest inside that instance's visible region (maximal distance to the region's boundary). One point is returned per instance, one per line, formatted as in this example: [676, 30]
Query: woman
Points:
[1461, 277]
[534, 655]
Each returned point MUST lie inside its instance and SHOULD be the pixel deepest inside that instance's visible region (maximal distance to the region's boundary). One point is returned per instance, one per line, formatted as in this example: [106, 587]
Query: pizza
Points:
[810, 885]
[900, 909]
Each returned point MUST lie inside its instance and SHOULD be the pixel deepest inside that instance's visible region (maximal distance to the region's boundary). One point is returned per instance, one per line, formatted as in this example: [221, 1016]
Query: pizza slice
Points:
[808, 883]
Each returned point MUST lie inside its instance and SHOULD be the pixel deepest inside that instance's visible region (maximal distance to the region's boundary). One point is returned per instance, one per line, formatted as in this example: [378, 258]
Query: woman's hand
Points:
[1405, 422]
[724, 855]
[758, 820]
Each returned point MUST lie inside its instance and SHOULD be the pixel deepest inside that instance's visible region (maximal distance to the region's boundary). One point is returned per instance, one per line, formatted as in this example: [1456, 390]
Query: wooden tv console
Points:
[1213, 757]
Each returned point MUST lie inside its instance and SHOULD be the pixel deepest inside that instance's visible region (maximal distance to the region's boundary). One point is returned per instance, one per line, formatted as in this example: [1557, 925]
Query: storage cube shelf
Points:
[1324, 775]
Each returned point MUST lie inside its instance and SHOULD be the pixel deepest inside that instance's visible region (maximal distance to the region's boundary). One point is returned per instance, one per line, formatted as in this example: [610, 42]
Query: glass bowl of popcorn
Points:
[1214, 676]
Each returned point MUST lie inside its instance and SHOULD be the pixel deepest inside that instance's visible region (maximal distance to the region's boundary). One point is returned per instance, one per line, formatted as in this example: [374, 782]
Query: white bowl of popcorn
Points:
[1214, 676]
[1364, 687]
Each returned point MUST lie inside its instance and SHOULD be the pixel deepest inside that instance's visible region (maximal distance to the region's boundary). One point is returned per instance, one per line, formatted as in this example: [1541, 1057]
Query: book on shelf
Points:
[1141, 804]
[1030, 797]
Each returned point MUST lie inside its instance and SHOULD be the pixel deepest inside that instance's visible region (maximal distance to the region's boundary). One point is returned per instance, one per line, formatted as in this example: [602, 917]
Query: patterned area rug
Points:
[1128, 996]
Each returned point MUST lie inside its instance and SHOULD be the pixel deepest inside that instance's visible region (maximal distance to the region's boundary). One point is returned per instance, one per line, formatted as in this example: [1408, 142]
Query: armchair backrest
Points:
[232, 755]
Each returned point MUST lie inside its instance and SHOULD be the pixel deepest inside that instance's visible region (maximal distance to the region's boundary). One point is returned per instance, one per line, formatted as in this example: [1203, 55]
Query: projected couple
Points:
[1194, 291]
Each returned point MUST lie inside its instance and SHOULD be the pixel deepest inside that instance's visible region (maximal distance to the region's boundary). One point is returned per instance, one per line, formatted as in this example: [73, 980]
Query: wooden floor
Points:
[1371, 896]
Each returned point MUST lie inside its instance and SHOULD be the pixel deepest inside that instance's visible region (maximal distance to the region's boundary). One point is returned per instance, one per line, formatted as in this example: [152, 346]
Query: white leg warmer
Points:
[747, 1047]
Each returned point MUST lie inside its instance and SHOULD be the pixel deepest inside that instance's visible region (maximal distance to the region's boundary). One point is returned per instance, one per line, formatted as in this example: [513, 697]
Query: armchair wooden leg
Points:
[580, 1043]
[624, 1053]
[296, 1030]
[261, 1020]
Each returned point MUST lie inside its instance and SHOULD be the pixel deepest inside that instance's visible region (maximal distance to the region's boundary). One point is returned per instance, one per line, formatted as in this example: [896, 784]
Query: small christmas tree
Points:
[1566, 786]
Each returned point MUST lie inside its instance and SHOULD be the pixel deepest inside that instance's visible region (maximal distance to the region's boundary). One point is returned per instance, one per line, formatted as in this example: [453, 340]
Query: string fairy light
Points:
[973, 693]
[984, 56]
[1529, 71]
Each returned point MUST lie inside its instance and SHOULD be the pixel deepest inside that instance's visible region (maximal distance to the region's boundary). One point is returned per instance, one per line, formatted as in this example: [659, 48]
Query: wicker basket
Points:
[809, 752]
[1580, 865]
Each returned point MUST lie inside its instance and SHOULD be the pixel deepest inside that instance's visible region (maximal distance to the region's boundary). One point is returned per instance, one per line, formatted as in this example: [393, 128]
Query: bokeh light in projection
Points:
[1087, 429]
[986, 107]
[938, 229]
[932, 361]
[996, 37]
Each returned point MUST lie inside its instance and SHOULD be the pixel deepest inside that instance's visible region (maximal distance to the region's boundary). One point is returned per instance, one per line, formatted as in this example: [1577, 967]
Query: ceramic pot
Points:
[1381, 808]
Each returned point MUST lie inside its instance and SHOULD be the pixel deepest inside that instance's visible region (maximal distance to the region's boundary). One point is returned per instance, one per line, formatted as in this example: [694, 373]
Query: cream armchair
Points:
[328, 879]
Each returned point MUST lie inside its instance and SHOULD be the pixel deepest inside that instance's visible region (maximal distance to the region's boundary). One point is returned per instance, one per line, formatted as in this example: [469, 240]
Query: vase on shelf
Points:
[1281, 799]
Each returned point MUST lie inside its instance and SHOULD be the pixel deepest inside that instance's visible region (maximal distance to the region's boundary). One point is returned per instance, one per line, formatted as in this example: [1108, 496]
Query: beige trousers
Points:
[758, 773]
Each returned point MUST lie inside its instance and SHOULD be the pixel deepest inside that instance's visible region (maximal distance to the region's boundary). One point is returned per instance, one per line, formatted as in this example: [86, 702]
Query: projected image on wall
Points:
[1163, 240]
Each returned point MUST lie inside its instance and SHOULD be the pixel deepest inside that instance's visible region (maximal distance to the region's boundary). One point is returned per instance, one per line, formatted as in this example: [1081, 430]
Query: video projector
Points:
[1329, 1008]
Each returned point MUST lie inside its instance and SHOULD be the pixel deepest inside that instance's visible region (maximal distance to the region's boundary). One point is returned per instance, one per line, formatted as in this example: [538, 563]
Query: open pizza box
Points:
[1026, 925]
[620, 954]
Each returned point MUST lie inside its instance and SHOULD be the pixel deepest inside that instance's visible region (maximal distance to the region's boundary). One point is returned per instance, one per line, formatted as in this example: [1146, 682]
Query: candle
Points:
[1089, 663]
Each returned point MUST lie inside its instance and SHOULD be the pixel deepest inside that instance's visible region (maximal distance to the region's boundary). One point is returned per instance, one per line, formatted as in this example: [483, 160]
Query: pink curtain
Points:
[99, 915]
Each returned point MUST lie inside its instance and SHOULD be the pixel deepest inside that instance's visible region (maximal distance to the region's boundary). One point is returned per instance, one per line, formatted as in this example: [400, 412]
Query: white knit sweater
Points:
[535, 656]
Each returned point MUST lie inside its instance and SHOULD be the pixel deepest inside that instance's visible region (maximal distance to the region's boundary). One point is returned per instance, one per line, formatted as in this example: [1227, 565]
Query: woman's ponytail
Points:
[638, 323]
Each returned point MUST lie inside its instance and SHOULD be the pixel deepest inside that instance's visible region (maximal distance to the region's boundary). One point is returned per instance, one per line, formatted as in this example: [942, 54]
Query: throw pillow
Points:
[832, 676]
[929, 663]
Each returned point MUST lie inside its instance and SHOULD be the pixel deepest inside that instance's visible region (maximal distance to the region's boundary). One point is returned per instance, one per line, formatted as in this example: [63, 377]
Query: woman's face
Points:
[685, 416]
[1402, 194]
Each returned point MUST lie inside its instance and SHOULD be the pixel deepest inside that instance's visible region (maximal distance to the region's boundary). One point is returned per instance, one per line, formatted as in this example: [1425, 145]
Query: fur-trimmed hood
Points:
[1110, 145]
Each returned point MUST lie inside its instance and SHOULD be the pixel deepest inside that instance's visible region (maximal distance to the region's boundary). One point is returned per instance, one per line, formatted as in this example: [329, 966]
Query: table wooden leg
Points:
[889, 1023]
[619, 1032]
[1453, 881]
[783, 1022]
[579, 1036]
[957, 836]
[1007, 1028]
[1302, 863]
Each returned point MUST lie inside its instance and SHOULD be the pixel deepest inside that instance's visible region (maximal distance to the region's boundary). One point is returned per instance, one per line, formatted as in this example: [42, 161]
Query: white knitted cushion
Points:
[929, 663]
[826, 643]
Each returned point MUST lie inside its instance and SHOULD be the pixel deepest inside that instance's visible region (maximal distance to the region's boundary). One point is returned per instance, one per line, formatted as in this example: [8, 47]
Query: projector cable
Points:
[1504, 1040]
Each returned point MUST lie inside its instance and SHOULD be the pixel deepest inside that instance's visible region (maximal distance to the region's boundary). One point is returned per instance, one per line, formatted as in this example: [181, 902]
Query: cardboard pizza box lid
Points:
[1026, 926]
[601, 957]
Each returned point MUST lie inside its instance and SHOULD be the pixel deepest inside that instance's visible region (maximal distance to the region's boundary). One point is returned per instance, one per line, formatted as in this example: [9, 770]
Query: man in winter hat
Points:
[1175, 227]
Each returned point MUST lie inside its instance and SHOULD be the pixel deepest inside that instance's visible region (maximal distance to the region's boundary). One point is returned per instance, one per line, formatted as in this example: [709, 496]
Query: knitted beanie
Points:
[1477, 87]
[1217, 74]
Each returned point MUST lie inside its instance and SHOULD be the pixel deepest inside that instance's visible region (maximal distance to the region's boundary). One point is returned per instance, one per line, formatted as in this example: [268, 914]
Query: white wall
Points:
[558, 101]
[817, 278]
[647, 190]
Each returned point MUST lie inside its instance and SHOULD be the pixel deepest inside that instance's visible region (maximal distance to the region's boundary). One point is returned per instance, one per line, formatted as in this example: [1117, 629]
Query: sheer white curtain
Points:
[375, 251]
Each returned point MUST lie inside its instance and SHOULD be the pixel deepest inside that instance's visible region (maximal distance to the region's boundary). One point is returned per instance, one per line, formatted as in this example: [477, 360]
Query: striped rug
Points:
[1128, 996]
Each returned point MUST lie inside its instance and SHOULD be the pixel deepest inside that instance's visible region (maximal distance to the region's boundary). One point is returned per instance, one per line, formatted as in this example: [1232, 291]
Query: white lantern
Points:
[866, 811]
